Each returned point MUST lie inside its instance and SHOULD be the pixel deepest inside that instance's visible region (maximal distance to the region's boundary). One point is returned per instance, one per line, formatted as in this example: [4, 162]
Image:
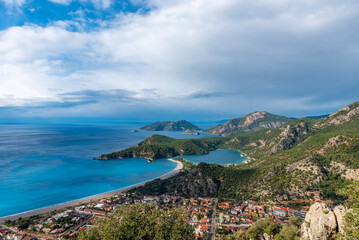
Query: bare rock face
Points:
[332, 143]
[343, 115]
[320, 223]
[339, 212]
[289, 136]
[250, 122]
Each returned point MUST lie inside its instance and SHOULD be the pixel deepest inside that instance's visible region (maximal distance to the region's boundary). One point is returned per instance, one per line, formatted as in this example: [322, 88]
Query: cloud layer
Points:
[205, 59]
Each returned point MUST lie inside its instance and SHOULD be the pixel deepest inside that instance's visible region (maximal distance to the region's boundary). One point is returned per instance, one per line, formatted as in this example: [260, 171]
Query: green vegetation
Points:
[181, 125]
[351, 218]
[22, 223]
[266, 227]
[157, 146]
[140, 221]
[301, 155]
[239, 235]
[186, 164]
[261, 227]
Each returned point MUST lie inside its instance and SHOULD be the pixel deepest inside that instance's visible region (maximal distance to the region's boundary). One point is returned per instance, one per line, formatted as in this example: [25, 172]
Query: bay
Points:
[44, 165]
[219, 156]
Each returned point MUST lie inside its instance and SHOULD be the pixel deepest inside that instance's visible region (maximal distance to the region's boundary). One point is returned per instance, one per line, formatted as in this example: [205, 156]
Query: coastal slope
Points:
[286, 162]
[249, 123]
[181, 125]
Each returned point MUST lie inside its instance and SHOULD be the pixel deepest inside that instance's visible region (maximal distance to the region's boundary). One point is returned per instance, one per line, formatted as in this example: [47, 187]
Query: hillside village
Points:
[211, 217]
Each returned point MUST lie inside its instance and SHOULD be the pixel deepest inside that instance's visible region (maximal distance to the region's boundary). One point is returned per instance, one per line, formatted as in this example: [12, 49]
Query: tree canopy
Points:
[140, 221]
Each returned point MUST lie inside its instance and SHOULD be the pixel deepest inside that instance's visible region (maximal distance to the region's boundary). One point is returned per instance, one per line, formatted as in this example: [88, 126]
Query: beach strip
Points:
[93, 198]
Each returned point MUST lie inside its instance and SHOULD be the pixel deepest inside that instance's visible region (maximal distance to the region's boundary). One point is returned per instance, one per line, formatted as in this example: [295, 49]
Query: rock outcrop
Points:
[250, 122]
[321, 223]
[341, 116]
[289, 136]
[339, 212]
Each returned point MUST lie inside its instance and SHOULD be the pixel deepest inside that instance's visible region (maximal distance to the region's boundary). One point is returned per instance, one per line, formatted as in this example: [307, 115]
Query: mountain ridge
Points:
[249, 123]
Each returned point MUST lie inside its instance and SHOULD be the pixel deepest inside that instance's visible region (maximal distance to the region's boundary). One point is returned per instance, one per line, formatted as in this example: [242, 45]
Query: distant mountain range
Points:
[249, 123]
[181, 125]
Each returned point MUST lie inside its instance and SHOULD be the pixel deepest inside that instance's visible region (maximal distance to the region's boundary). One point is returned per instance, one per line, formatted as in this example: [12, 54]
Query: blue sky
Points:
[146, 60]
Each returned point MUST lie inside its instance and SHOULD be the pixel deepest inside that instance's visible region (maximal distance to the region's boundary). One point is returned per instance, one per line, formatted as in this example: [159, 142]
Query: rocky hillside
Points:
[300, 155]
[322, 223]
[181, 125]
[249, 123]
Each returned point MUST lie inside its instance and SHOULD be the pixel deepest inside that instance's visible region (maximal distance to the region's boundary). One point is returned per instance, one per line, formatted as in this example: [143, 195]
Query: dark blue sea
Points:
[43, 165]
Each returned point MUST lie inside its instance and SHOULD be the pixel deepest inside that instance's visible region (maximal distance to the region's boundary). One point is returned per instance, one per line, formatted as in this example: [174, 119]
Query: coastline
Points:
[92, 198]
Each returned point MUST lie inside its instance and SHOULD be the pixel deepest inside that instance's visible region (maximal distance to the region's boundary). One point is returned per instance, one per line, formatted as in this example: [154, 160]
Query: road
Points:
[213, 221]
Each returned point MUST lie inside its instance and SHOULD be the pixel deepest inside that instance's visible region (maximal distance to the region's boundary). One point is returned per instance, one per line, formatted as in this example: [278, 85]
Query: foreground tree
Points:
[288, 232]
[140, 221]
[263, 227]
[351, 218]
[239, 235]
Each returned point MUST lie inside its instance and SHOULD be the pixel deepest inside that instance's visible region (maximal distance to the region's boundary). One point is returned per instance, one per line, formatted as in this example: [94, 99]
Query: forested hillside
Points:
[288, 161]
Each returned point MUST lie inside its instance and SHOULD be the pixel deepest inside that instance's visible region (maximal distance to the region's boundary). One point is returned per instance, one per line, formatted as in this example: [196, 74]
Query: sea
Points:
[43, 165]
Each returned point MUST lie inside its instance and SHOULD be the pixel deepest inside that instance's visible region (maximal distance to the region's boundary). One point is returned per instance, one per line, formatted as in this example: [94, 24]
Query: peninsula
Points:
[181, 125]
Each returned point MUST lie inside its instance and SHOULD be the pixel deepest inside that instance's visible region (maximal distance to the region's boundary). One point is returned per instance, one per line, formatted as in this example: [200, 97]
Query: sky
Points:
[200, 60]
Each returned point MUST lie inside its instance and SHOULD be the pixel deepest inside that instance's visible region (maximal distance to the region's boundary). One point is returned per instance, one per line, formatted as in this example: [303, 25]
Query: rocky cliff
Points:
[249, 123]
[321, 223]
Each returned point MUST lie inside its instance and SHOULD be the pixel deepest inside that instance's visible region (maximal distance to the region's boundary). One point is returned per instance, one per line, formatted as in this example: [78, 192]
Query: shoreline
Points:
[96, 197]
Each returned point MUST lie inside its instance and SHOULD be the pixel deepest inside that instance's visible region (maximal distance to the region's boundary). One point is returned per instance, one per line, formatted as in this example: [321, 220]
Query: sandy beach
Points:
[88, 199]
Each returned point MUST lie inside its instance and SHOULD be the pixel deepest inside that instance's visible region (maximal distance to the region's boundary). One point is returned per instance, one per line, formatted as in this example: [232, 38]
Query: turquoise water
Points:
[43, 165]
[219, 156]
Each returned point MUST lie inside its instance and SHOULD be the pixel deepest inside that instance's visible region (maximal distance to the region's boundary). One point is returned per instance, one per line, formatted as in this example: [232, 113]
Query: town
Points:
[212, 218]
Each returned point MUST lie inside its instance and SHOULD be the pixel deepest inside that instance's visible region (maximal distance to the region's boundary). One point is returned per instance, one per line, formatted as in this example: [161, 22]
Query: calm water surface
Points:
[219, 156]
[43, 165]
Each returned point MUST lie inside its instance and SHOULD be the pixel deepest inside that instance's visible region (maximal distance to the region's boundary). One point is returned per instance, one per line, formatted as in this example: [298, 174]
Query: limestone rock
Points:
[319, 224]
[289, 136]
[339, 212]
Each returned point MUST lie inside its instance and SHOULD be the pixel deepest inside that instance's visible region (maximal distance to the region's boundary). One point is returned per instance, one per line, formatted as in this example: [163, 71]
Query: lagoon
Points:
[219, 156]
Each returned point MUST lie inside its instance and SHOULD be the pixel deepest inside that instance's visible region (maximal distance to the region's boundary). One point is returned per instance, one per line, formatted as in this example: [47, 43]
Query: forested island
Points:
[181, 125]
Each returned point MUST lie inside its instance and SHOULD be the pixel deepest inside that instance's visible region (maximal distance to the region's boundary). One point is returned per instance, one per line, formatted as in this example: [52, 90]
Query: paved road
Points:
[213, 221]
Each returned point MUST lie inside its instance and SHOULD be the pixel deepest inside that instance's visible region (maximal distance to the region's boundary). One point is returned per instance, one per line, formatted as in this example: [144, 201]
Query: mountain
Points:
[301, 155]
[249, 123]
[181, 125]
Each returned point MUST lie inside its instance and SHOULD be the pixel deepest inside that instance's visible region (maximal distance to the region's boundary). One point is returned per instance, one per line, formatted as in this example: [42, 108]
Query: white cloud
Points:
[13, 2]
[97, 3]
[270, 50]
[65, 2]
